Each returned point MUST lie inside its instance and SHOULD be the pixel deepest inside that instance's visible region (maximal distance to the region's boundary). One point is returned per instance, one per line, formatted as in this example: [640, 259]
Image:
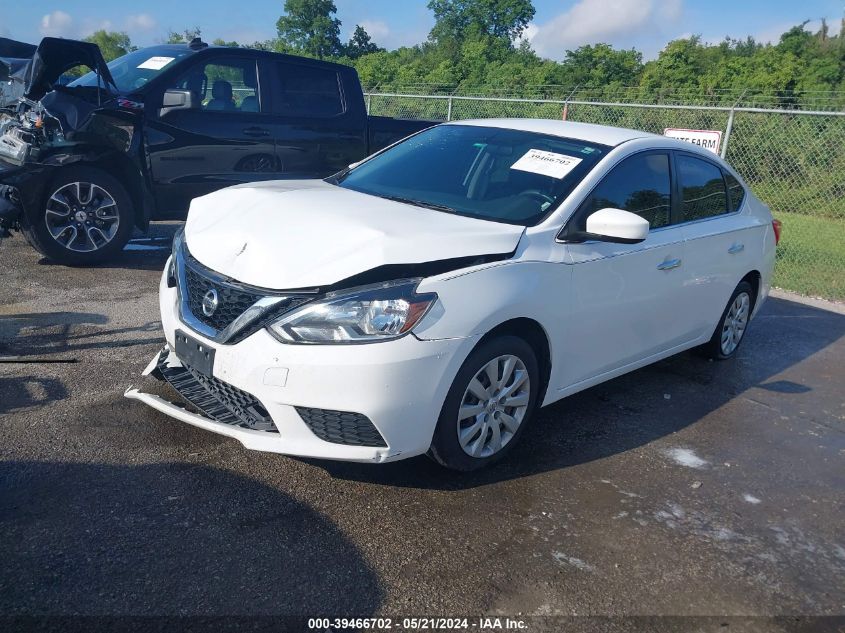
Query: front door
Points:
[627, 299]
[224, 140]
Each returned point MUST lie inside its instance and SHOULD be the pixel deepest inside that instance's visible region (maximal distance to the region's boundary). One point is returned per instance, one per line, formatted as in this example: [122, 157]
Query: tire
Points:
[716, 348]
[86, 217]
[446, 448]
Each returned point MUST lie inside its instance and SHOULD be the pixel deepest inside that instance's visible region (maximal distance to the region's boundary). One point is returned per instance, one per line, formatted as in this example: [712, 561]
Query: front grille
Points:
[218, 400]
[232, 301]
[341, 427]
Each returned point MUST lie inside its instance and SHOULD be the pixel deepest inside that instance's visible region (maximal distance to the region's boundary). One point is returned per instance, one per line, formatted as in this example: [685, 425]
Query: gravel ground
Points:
[686, 488]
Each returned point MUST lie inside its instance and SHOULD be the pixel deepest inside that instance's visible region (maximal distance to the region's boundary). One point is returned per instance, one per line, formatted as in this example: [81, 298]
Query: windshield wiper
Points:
[418, 203]
[336, 179]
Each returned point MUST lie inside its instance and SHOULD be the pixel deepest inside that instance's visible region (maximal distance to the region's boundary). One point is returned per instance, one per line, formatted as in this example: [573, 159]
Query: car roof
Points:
[602, 134]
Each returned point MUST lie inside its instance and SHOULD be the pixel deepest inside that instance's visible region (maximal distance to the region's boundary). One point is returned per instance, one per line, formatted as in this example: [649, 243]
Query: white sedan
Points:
[430, 298]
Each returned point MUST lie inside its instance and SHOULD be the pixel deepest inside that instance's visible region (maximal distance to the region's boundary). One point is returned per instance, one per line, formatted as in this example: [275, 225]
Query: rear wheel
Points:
[488, 406]
[730, 332]
[85, 217]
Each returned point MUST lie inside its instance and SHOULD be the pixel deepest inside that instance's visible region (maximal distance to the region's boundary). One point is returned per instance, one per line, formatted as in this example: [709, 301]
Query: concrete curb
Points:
[822, 304]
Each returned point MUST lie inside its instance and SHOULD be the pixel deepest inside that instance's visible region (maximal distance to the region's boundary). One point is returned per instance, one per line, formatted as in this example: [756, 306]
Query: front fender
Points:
[474, 301]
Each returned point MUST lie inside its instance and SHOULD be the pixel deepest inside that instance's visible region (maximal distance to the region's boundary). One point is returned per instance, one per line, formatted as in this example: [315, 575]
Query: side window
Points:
[223, 85]
[703, 192]
[307, 91]
[640, 184]
[736, 191]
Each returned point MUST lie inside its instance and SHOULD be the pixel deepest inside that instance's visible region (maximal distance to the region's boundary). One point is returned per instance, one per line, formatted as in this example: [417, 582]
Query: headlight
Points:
[373, 313]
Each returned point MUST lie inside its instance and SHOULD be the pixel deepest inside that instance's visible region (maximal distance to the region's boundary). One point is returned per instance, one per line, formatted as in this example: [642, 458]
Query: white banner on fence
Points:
[708, 139]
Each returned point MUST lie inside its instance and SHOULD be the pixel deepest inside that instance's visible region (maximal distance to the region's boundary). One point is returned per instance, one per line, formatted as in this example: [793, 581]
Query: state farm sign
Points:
[708, 139]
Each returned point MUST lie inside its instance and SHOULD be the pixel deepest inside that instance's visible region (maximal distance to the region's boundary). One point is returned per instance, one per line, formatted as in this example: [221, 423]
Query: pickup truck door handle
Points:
[736, 247]
[668, 264]
[256, 131]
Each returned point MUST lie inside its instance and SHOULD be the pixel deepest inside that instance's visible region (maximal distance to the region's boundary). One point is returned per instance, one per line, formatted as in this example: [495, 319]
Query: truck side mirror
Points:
[177, 100]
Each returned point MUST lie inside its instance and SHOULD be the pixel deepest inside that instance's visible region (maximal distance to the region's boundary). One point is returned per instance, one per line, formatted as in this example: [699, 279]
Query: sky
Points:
[558, 25]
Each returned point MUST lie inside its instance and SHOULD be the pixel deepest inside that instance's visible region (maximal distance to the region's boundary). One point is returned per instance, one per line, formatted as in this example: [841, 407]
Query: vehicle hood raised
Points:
[287, 235]
[54, 56]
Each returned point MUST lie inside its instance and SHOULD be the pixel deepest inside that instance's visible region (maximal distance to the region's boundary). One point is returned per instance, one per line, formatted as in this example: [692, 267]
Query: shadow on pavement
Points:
[48, 333]
[169, 539]
[21, 392]
[631, 411]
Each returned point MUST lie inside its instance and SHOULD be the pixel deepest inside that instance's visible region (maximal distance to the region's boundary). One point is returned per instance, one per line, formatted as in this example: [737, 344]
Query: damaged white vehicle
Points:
[429, 299]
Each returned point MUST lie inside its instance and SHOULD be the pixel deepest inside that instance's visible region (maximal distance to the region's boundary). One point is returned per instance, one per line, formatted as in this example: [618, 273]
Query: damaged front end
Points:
[50, 126]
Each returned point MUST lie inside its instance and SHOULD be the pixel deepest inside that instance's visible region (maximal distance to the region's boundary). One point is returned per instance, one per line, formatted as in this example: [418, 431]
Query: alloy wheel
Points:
[82, 217]
[736, 320]
[493, 406]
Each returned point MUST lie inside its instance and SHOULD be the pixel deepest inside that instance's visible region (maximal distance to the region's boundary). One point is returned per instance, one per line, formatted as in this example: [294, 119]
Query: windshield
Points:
[496, 174]
[135, 69]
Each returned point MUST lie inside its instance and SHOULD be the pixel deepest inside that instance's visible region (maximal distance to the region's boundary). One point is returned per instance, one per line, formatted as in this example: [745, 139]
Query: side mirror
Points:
[616, 225]
[177, 100]
[612, 225]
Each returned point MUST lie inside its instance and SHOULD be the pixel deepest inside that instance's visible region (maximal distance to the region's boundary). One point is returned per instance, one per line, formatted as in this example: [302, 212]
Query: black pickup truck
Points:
[82, 165]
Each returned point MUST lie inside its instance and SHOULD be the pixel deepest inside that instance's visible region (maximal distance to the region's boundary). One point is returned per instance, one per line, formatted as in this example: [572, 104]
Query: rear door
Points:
[719, 237]
[318, 124]
[225, 139]
[628, 300]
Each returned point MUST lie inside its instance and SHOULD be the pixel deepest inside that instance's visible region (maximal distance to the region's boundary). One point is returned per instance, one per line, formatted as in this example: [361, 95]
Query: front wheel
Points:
[733, 324]
[488, 406]
[86, 216]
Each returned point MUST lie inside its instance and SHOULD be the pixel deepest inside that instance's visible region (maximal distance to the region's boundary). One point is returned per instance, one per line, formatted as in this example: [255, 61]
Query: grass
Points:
[811, 256]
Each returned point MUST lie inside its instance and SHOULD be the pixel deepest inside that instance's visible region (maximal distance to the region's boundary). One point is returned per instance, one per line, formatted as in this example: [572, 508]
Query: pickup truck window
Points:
[307, 91]
[229, 85]
[498, 174]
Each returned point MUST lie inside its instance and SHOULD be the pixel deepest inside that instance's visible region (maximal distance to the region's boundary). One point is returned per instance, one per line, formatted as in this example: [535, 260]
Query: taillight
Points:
[777, 225]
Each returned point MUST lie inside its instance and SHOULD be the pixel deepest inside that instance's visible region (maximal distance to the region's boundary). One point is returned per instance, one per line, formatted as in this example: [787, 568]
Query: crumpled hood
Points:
[307, 233]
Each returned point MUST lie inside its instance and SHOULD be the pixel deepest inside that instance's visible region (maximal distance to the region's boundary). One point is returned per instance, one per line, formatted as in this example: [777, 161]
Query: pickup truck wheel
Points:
[86, 217]
[488, 406]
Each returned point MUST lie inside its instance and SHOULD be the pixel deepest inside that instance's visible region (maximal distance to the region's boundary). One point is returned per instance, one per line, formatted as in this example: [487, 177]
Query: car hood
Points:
[302, 234]
[54, 56]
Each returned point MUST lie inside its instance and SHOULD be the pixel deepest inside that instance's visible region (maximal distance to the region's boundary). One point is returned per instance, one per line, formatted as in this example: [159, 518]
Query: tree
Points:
[361, 44]
[221, 42]
[309, 27]
[112, 44]
[601, 65]
[506, 19]
[184, 37]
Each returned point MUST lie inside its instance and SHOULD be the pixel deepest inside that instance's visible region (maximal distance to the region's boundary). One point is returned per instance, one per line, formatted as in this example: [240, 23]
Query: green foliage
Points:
[309, 27]
[112, 44]
[184, 37]
[455, 19]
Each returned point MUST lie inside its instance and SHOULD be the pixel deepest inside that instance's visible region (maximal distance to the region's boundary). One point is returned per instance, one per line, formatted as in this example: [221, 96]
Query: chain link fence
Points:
[794, 160]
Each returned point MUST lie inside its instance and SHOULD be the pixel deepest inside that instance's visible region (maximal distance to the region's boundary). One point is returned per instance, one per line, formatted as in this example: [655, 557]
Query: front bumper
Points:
[399, 385]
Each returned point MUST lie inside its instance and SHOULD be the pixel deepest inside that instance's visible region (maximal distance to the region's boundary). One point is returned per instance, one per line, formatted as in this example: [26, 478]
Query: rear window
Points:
[703, 192]
[736, 192]
[306, 91]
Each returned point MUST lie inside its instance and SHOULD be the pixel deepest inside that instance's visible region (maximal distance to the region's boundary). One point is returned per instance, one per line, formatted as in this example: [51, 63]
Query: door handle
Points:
[256, 131]
[736, 248]
[669, 264]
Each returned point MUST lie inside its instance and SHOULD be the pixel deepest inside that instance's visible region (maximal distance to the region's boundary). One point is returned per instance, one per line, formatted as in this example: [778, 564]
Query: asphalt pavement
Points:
[685, 488]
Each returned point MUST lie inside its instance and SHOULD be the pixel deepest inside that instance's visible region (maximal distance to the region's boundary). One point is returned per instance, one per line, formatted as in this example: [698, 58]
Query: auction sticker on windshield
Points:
[549, 164]
[156, 63]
